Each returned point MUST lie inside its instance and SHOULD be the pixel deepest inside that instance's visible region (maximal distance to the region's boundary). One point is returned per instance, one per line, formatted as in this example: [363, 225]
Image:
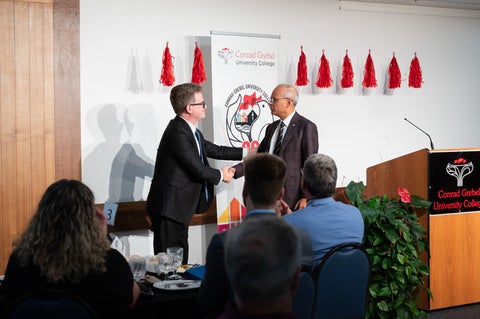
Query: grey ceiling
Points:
[453, 4]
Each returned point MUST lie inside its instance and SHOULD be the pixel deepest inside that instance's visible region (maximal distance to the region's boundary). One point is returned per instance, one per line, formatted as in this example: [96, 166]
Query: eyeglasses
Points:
[203, 104]
[276, 99]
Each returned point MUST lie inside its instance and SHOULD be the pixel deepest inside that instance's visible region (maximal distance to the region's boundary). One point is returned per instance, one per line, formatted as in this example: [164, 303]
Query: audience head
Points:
[264, 179]
[182, 95]
[320, 176]
[66, 236]
[262, 258]
[283, 101]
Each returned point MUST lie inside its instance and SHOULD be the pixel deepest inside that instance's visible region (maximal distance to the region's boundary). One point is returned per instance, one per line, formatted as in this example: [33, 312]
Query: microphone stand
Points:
[431, 143]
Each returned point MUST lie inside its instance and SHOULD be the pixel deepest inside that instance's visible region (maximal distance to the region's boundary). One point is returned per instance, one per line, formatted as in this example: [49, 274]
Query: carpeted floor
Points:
[461, 312]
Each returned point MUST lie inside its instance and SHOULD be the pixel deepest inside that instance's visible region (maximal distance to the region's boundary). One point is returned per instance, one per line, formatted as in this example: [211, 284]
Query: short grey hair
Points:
[290, 91]
[320, 175]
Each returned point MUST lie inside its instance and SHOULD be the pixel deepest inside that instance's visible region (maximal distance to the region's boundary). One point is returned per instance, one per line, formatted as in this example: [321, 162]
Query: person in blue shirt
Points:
[328, 222]
[263, 188]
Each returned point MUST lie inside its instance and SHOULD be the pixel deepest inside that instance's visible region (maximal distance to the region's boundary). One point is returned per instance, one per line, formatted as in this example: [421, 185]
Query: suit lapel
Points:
[291, 133]
[186, 128]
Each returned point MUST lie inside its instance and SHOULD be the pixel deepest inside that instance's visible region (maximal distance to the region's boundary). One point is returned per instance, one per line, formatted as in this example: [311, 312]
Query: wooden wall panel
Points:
[22, 111]
[66, 20]
[8, 160]
[48, 90]
[37, 102]
[39, 107]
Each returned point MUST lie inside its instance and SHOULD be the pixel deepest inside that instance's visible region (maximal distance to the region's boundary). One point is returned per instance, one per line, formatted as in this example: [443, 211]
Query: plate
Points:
[177, 284]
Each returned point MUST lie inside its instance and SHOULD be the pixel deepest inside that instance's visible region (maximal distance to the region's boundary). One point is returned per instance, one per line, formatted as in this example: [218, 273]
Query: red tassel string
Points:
[347, 72]
[415, 76]
[167, 77]
[394, 75]
[302, 78]
[369, 79]
[324, 79]
[198, 70]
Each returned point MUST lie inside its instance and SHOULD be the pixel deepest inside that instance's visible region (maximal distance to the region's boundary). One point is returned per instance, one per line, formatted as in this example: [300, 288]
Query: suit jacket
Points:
[300, 141]
[215, 292]
[177, 190]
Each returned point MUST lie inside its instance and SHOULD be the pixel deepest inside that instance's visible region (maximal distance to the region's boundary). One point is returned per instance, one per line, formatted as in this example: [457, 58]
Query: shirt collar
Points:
[260, 211]
[288, 119]
[192, 127]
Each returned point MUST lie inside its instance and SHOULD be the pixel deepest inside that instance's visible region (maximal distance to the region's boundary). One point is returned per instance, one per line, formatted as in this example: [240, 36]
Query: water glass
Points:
[177, 256]
[138, 265]
[165, 265]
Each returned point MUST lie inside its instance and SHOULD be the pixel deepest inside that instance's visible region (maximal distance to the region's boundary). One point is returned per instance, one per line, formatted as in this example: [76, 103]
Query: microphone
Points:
[431, 143]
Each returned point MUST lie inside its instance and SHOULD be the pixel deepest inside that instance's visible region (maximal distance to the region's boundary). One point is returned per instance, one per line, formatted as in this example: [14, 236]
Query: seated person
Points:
[65, 247]
[327, 222]
[262, 258]
[263, 187]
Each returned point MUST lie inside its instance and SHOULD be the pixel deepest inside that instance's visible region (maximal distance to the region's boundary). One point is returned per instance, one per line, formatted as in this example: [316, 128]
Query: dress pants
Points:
[170, 233]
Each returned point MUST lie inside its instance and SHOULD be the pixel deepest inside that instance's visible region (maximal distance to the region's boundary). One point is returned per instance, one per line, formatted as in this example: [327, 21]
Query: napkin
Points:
[196, 272]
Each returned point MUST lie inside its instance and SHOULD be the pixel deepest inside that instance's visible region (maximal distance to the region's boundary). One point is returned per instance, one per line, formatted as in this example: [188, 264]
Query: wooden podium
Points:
[451, 180]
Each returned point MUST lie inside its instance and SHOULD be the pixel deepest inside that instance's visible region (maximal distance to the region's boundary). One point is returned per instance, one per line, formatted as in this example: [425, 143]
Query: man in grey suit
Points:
[183, 180]
[293, 137]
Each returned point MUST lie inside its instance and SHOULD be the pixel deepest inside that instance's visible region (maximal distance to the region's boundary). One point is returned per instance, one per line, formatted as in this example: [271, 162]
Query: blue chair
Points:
[342, 279]
[51, 304]
[302, 304]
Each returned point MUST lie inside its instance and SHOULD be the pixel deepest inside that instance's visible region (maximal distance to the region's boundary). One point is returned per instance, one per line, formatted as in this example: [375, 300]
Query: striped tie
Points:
[278, 143]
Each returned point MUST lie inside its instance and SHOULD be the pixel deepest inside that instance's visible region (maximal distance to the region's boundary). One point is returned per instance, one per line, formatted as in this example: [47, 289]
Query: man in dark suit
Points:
[183, 181]
[263, 188]
[295, 141]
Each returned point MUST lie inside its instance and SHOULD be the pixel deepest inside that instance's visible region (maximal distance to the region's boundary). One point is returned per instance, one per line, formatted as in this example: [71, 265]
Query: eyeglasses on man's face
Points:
[203, 104]
[276, 99]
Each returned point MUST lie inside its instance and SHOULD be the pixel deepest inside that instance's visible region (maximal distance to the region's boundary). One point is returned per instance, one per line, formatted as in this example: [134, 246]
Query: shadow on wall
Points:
[116, 170]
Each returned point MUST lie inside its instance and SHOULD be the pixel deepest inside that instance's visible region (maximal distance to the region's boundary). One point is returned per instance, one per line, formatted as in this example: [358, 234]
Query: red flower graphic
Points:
[459, 161]
[249, 101]
[404, 195]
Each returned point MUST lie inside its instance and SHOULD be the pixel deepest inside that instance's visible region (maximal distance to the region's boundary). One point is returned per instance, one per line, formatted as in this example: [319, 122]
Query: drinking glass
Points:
[177, 256]
[138, 265]
[164, 265]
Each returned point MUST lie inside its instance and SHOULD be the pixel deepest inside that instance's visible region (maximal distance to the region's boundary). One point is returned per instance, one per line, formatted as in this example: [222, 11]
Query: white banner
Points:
[244, 73]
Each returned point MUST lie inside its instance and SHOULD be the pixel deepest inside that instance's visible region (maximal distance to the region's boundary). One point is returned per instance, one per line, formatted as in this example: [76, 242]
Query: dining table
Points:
[166, 303]
[153, 303]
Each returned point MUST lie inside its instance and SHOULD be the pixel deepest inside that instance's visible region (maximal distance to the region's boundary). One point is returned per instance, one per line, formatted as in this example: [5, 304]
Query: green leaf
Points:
[382, 305]
[394, 240]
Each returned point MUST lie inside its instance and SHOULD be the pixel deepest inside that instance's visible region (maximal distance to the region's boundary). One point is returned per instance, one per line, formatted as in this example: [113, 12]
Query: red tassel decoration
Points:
[324, 79]
[167, 77]
[302, 78]
[415, 76]
[347, 72]
[394, 75]
[198, 70]
[369, 79]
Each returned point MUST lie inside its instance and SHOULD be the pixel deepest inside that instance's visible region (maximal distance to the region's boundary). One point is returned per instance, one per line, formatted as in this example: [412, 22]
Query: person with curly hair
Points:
[65, 246]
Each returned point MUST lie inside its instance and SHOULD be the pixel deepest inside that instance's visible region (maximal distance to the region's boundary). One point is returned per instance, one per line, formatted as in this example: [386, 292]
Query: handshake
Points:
[228, 173]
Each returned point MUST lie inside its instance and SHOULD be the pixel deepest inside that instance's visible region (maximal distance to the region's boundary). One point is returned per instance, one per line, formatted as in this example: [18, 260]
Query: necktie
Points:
[278, 143]
[197, 135]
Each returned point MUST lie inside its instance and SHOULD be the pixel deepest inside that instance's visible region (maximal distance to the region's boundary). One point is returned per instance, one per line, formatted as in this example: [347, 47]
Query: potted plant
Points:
[394, 239]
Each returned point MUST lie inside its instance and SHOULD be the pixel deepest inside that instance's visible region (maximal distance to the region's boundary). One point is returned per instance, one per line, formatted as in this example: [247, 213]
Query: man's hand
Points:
[227, 173]
[302, 203]
[282, 208]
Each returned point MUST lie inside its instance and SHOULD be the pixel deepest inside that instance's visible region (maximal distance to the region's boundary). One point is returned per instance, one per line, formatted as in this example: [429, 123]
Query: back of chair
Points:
[303, 300]
[342, 279]
[51, 304]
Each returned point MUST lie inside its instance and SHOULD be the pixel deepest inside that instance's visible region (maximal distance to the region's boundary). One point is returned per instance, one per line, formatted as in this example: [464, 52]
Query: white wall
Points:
[358, 130]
